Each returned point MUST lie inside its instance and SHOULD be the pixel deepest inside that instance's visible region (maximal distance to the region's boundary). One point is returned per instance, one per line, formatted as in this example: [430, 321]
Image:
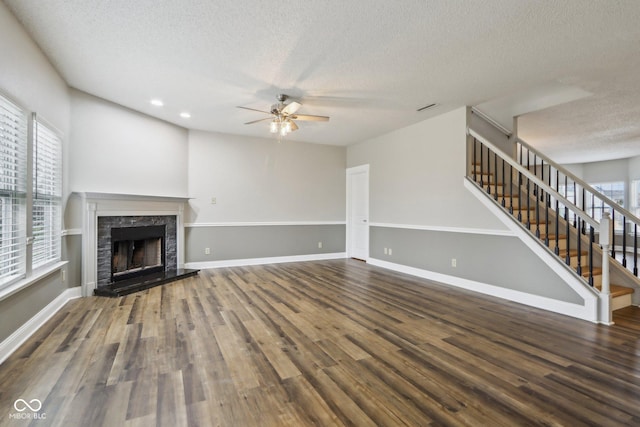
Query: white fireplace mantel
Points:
[96, 205]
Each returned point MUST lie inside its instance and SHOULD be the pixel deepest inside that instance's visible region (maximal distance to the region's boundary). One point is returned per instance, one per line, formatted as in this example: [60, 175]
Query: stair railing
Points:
[506, 180]
[624, 224]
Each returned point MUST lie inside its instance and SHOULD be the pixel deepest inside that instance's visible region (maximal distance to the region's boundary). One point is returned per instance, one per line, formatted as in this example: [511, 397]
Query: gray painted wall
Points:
[478, 258]
[21, 307]
[242, 242]
[416, 178]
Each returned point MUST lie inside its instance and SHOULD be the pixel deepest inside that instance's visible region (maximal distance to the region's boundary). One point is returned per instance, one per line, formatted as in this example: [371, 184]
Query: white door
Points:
[358, 212]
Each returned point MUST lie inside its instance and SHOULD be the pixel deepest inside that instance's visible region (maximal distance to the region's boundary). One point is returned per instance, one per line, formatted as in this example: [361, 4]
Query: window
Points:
[635, 197]
[596, 207]
[13, 184]
[34, 162]
[47, 195]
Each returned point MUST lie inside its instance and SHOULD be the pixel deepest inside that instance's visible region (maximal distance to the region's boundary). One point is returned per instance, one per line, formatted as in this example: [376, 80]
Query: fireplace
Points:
[137, 251]
[104, 273]
[135, 246]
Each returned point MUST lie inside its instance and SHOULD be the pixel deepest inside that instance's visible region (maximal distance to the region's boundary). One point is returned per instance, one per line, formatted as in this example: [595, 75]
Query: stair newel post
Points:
[605, 291]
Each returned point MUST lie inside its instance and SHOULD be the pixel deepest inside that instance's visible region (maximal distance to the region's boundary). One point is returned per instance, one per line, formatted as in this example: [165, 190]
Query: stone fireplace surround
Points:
[101, 205]
[106, 223]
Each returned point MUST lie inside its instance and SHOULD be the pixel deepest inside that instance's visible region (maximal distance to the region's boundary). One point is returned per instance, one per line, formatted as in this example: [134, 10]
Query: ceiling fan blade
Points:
[310, 118]
[291, 108]
[259, 120]
[253, 109]
[294, 126]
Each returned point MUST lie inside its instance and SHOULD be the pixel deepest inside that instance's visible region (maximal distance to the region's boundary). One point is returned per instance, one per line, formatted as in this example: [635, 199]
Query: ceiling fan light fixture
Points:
[273, 126]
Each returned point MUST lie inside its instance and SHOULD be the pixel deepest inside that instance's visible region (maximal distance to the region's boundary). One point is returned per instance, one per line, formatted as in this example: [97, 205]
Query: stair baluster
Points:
[567, 259]
[591, 243]
[635, 250]
[504, 183]
[557, 248]
[579, 247]
[536, 190]
[624, 241]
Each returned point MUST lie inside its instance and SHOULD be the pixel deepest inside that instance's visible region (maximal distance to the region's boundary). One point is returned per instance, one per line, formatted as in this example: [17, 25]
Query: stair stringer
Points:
[590, 310]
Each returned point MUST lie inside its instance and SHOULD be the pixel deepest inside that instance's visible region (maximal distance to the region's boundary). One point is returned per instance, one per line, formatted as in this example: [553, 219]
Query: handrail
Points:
[491, 121]
[530, 176]
[582, 183]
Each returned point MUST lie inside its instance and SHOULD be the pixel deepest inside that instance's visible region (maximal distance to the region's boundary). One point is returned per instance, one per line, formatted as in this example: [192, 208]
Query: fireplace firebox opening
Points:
[137, 251]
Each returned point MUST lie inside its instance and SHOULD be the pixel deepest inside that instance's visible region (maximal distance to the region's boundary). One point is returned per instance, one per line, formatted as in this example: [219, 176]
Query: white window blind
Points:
[13, 185]
[47, 195]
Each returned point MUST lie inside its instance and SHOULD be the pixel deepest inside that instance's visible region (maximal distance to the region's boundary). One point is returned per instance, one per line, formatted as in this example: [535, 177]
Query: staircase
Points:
[534, 192]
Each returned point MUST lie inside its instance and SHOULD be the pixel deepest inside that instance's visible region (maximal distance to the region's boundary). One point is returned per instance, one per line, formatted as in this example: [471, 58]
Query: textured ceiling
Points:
[369, 64]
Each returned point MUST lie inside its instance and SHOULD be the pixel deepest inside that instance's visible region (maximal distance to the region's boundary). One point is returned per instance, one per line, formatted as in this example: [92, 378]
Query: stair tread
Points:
[596, 272]
[573, 252]
[553, 236]
[617, 290]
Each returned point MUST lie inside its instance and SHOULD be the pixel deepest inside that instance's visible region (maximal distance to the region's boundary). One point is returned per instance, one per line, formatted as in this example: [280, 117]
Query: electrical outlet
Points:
[319, 245]
[390, 251]
[207, 251]
[214, 200]
[454, 262]
[64, 276]
[386, 251]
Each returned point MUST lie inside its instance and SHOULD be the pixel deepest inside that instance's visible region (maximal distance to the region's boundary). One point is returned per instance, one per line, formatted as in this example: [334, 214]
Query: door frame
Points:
[350, 172]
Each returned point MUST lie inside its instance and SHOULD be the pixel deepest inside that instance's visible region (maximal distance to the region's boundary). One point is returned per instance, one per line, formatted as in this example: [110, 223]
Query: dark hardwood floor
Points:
[322, 343]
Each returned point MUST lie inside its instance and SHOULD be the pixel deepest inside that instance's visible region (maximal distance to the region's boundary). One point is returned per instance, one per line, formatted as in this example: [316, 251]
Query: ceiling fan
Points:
[283, 116]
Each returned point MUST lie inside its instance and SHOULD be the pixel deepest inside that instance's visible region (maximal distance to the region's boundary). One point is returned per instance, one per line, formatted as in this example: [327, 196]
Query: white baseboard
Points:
[588, 311]
[267, 260]
[16, 339]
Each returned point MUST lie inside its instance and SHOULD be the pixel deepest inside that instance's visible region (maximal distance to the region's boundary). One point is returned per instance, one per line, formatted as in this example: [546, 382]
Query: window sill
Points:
[36, 276]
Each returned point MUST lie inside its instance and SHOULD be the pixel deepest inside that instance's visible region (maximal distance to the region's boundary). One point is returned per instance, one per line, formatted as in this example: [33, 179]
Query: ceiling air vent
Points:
[426, 107]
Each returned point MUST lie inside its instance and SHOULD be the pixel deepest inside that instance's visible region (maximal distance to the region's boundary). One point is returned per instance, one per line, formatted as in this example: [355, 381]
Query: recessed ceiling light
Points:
[157, 102]
[185, 115]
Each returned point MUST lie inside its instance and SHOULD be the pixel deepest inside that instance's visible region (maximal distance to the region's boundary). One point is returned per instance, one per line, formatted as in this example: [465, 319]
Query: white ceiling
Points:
[369, 64]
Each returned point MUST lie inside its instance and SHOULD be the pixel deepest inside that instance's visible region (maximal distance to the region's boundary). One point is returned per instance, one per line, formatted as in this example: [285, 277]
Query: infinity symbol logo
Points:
[21, 405]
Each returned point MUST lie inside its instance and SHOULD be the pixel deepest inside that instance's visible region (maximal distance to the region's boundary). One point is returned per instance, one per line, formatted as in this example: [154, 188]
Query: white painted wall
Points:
[416, 175]
[28, 78]
[117, 150]
[262, 180]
